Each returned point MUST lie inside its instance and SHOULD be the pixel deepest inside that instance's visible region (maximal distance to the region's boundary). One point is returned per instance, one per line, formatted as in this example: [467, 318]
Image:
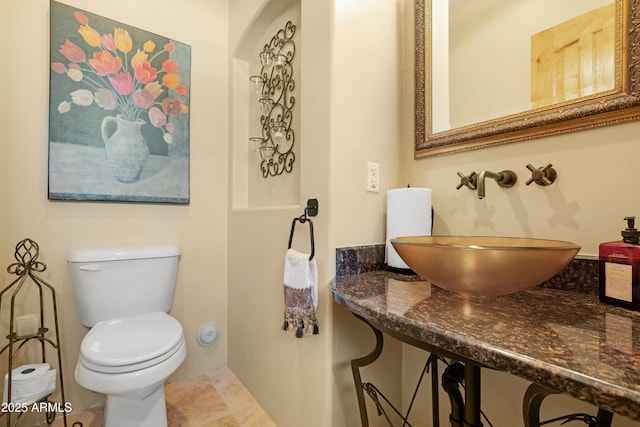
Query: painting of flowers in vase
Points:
[118, 113]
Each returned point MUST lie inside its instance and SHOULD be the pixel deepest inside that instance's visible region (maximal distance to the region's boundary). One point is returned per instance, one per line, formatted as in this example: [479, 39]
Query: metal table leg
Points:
[533, 398]
[378, 397]
[472, 380]
[356, 364]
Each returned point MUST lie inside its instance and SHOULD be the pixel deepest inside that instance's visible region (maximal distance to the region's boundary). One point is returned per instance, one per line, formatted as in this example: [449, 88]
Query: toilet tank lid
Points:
[121, 253]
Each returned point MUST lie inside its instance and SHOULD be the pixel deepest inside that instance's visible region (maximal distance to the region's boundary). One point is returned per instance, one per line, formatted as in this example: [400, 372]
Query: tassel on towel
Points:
[300, 293]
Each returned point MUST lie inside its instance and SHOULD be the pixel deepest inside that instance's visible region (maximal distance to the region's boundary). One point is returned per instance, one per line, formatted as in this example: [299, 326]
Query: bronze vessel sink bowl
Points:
[484, 266]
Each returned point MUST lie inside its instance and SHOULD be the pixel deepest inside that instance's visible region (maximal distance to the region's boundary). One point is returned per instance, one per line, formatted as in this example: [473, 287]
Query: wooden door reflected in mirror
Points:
[575, 58]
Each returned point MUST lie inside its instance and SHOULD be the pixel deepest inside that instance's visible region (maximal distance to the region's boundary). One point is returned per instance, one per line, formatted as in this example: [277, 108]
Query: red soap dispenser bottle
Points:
[620, 269]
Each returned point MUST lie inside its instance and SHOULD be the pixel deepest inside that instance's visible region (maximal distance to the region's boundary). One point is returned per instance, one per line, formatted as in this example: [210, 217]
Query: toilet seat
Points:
[131, 343]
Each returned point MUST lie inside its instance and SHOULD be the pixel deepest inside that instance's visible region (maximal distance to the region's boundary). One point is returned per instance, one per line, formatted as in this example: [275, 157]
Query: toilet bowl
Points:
[129, 360]
[124, 295]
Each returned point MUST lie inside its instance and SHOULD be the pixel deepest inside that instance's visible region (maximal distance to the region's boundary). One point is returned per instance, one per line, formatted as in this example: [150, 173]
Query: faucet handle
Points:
[542, 176]
[467, 181]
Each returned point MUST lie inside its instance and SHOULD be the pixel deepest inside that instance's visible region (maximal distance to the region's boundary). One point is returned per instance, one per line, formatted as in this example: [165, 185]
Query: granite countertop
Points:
[565, 340]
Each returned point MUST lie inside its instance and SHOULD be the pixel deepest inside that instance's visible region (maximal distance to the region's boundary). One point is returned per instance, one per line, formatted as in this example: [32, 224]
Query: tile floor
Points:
[215, 399]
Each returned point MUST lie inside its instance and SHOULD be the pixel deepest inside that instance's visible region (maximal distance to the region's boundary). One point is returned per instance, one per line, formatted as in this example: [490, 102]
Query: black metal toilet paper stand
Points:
[36, 339]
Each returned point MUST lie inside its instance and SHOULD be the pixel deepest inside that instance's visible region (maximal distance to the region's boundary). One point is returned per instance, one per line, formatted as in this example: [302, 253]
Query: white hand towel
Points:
[300, 293]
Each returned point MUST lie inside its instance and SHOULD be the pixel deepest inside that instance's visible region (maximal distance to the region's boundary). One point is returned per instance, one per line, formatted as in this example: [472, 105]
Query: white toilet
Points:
[124, 295]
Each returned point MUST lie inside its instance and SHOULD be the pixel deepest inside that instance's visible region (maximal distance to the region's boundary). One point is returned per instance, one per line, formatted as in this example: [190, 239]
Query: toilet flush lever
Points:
[90, 267]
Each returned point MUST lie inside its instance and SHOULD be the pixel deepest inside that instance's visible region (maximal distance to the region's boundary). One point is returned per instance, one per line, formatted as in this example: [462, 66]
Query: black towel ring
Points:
[310, 210]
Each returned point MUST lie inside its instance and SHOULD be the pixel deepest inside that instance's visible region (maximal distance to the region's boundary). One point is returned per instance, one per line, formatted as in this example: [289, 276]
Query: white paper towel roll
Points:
[29, 383]
[408, 214]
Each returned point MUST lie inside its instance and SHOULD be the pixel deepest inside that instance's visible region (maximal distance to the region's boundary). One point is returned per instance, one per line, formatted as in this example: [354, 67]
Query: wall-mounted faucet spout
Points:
[505, 179]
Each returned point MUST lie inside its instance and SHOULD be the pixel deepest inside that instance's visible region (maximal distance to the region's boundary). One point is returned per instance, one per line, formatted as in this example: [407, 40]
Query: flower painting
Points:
[118, 113]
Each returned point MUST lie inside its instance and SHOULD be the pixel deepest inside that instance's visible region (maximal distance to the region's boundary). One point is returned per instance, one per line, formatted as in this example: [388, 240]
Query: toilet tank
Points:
[122, 281]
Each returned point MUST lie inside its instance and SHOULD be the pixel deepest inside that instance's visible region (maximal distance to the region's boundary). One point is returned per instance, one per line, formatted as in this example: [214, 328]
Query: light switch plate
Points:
[373, 177]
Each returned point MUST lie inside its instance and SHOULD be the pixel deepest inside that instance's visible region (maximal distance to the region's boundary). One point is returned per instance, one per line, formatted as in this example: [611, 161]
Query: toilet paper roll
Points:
[29, 383]
[408, 214]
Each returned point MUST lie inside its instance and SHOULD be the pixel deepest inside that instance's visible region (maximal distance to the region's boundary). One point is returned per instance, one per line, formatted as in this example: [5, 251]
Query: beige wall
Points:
[349, 98]
[289, 377]
[366, 116]
[595, 189]
[5, 132]
[199, 229]
[263, 356]
[356, 106]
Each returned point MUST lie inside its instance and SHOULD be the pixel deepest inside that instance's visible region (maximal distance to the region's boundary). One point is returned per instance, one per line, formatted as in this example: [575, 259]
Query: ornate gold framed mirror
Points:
[572, 69]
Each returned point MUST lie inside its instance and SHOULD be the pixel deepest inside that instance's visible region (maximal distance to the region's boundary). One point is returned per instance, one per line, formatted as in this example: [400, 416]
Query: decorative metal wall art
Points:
[275, 87]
